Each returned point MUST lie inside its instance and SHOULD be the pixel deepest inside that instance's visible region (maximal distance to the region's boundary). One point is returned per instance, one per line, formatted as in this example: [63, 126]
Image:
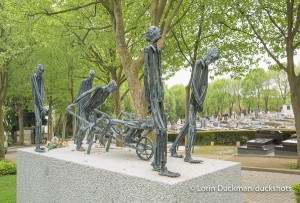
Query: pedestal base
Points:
[65, 175]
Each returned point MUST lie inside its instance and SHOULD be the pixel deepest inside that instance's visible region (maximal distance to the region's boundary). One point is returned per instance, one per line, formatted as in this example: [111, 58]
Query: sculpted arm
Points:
[198, 67]
[146, 74]
[83, 95]
[36, 94]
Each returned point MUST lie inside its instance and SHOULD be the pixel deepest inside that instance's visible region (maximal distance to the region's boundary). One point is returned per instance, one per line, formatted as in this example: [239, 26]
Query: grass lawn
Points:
[215, 150]
[8, 189]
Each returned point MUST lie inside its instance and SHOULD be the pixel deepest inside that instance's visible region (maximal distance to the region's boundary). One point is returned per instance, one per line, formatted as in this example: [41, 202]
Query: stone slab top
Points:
[290, 142]
[260, 140]
[125, 161]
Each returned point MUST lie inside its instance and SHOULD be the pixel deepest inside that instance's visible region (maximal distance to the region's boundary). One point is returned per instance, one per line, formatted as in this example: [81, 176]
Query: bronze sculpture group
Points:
[89, 99]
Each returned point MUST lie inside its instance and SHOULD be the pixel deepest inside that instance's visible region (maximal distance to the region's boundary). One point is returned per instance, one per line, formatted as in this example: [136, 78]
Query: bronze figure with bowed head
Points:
[37, 82]
[198, 88]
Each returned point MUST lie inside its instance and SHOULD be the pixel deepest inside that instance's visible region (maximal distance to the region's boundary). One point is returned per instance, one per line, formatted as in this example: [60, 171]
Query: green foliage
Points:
[8, 186]
[7, 167]
[296, 189]
[293, 166]
[205, 138]
[219, 137]
[178, 92]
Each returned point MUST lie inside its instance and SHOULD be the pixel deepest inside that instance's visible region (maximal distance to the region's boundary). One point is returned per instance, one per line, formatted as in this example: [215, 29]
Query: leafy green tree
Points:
[177, 94]
[271, 27]
[13, 40]
[280, 81]
[253, 84]
[170, 105]
[234, 94]
[128, 21]
[217, 96]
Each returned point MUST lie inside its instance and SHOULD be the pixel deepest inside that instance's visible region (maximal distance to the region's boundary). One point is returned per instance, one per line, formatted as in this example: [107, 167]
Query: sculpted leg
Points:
[155, 163]
[79, 139]
[38, 131]
[179, 138]
[191, 135]
[163, 151]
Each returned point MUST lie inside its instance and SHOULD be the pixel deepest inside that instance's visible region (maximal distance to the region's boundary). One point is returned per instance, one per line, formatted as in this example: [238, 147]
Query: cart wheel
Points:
[144, 148]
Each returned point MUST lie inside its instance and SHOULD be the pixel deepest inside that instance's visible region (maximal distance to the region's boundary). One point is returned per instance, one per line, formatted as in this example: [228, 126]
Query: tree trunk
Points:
[116, 94]
[63, 133]
[295, 97]
[131, 67]
[266, 104]
[187, 103]
[21, 125]
[231, 108]
[57, 125]
[50, 119]
[3, 91]
[187, 100]
[73, 126]
[2, 150]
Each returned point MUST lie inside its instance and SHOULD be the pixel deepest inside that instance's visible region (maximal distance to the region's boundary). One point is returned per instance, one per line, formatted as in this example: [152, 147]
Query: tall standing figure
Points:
[199, 87]
[37, 81]
[85, 85]
[154, 92]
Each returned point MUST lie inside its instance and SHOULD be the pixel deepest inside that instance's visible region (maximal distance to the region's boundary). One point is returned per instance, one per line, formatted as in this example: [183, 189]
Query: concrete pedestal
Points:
[65, 175]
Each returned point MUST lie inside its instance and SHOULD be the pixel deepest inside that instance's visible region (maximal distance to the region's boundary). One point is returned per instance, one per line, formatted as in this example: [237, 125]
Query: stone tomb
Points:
[270, 142]
[259, 146]
[275, 135]
[287, 148]
[68, 176]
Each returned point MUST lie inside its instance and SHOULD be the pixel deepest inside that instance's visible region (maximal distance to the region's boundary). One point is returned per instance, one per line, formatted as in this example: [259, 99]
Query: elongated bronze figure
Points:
[99, 96]
[85, 85]
[198, 88]
[37, 82]
[154, 92]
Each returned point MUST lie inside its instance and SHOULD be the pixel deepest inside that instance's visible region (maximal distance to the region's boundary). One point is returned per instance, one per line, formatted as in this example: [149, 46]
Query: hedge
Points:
[227, 137]
[296, 189]
[7, 167]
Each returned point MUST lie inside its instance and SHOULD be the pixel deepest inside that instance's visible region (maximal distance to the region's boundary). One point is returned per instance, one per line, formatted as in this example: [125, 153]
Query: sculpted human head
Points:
[91, 75]
[152, 34]
[39, 69]
[212, 55]
[112, 86]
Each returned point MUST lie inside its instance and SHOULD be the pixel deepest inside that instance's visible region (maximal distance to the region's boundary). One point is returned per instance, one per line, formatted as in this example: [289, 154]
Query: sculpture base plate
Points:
[68, 176]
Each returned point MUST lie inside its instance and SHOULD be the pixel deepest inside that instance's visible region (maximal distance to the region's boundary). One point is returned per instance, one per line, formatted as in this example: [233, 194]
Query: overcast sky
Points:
[183, 76]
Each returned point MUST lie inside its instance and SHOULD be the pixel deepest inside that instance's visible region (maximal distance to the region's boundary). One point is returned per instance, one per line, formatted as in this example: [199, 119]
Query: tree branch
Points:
[161, 9]
[141, 14]
[275, 24]
[297, 25]
[296, 45]
[46, 12]
[180, 49]
[280, 65]
[182, 16]
[235, 29]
